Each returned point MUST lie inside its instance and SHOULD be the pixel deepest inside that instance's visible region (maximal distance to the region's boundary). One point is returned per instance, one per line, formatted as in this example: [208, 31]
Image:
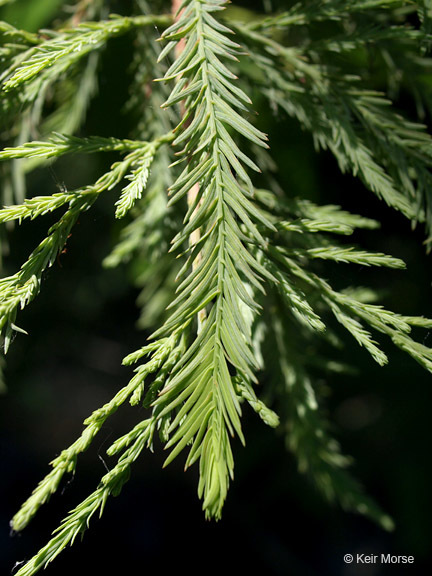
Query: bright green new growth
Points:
[243, 251]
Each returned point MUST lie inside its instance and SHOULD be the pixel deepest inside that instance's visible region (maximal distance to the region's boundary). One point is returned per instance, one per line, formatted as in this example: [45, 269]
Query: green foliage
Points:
[233, 291]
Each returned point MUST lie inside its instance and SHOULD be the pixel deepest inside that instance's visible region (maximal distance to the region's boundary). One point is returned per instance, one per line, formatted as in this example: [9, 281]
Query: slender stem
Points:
[194, 191]
[175, 10]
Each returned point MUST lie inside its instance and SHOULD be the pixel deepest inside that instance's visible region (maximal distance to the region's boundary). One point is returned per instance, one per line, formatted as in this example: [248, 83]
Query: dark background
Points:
[82, 325]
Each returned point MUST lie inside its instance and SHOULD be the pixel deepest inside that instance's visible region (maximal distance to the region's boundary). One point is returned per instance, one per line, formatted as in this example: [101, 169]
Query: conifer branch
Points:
[245, 293]
[360, 127]
[60, 144]
[20, 289]
[65, 463]
[78, 519]
[211, 408]
[305, 13]
[308, 433]
[70, 45]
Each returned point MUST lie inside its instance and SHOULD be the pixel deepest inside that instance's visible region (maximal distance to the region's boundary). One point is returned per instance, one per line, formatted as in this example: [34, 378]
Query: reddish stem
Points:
[194, 191]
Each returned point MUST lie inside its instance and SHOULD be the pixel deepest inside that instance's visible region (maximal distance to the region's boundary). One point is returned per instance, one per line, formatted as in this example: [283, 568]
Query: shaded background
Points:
[82, 325]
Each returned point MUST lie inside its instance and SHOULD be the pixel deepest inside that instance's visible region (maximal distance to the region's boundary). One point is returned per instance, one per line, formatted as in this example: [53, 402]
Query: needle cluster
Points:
[235, 289]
